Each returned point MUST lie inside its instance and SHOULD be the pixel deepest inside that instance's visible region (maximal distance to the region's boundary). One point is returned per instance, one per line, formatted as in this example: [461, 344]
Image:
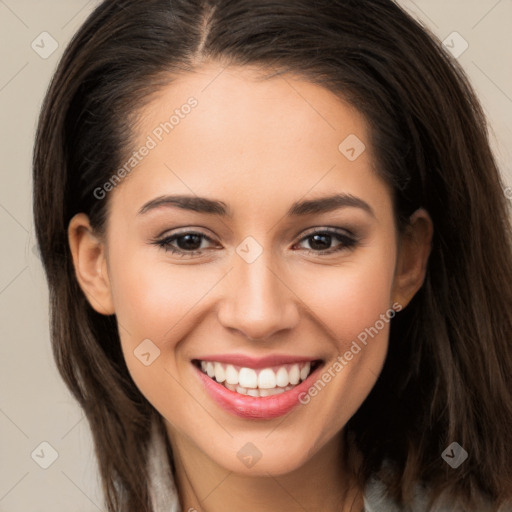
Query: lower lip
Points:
[251, 407]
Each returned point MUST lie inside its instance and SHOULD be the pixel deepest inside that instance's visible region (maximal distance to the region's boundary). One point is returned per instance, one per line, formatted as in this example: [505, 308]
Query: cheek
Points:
[351, 298]
[154, 299]
[155, 306]
[354, 306]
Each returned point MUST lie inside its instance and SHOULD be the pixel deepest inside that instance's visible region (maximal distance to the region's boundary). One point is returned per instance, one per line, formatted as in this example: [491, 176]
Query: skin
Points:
[258, 146]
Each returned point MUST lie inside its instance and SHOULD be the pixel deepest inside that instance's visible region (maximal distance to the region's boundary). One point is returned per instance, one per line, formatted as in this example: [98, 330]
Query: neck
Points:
[320, 484]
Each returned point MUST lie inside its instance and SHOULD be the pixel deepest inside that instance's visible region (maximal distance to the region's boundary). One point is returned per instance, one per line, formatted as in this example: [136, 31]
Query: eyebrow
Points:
[329, 203]
[299, 208]
[193, 203]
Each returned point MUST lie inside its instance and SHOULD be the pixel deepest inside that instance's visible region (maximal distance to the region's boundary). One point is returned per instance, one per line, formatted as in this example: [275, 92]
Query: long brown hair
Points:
[447, 376]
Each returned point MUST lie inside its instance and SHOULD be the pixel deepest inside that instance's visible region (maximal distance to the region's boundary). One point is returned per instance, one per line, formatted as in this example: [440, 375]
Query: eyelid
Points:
[165, 240]
[190, 230]
[328, 229]
[187, 230]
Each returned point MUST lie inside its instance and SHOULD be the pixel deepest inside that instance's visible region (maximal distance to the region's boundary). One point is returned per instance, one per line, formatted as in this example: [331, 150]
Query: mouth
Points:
[256, 389]
[258, 382]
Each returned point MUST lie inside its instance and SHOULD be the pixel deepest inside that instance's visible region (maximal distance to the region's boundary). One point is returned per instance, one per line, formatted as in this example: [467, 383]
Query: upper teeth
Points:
[264, 378]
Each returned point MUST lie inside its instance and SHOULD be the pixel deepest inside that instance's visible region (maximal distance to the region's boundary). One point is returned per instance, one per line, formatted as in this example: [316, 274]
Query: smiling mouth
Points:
[261, 382]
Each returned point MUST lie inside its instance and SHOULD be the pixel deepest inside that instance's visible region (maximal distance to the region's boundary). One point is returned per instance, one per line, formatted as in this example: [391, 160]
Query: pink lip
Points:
[256, 362]
[250, 407]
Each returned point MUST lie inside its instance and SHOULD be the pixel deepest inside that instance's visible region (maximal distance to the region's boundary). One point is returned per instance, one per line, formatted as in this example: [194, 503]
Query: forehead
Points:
[227, 132]
[240, 100]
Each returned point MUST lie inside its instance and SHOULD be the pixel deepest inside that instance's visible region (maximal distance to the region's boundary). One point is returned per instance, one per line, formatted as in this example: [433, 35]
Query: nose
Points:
[257, 301]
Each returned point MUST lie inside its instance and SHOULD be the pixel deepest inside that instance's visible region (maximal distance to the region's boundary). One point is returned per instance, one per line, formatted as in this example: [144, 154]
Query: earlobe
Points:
[414, 251]
[89, 260]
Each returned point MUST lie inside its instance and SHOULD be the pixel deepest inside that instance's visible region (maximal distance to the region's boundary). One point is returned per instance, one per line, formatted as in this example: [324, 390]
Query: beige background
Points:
[35, 406]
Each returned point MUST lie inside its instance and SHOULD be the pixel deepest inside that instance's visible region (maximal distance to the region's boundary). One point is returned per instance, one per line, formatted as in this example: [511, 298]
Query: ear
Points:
[413, 253]
[90, 262]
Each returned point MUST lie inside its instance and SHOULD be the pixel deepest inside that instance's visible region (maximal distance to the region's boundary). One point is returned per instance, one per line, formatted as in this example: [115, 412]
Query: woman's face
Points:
[283, 275]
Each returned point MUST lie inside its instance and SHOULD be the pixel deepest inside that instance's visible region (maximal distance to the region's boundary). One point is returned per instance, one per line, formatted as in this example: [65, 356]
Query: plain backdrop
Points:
[35, 406]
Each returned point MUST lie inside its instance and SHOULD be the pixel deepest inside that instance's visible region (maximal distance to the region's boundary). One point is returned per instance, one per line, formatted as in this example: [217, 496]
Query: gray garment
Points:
[164, 496]
[375, 500]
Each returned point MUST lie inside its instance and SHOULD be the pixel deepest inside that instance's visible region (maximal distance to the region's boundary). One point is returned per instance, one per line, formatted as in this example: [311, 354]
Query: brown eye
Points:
[321, 242]
[184, 244]
[190, 242]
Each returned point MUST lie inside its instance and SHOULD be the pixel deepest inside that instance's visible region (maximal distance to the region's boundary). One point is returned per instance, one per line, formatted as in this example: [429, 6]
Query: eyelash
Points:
[347, 242]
